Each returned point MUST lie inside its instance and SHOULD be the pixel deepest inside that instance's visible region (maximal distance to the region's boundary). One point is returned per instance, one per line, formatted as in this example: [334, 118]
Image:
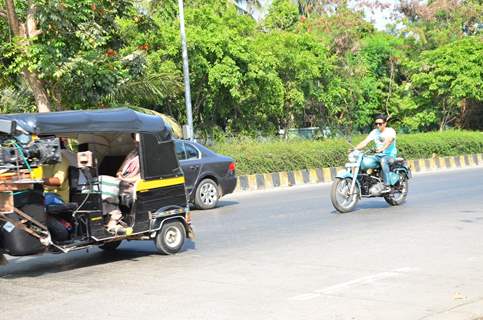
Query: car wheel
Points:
[207, 194]
[170, 239]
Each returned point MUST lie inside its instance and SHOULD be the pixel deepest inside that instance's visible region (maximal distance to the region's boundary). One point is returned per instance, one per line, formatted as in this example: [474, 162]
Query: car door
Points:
[190, 160]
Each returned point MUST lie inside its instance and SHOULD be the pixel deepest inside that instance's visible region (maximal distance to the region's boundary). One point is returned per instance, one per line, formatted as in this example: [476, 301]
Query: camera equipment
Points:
[17, 155]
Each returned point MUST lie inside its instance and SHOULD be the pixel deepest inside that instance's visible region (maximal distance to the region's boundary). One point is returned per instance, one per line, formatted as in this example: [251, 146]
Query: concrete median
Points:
[267, 181]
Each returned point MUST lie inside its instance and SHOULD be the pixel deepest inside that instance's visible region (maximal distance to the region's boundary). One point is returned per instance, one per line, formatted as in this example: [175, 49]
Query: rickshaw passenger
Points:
[128, 174]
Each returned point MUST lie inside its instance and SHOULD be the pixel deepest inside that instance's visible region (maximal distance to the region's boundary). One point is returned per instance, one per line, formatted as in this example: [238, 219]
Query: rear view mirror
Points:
[8, 126]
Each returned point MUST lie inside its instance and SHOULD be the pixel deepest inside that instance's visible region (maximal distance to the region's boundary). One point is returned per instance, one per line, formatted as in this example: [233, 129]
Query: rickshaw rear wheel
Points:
[110, 246]
[171, 237]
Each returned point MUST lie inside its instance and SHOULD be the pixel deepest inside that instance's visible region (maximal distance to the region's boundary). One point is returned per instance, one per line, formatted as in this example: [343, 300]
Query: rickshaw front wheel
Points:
[171, 237]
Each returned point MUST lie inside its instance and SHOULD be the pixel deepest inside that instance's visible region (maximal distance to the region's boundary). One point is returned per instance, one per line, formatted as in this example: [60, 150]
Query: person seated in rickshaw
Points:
[128, 174]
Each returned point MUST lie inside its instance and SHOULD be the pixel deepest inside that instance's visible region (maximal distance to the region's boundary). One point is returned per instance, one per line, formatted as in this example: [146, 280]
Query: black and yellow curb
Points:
[320, 175]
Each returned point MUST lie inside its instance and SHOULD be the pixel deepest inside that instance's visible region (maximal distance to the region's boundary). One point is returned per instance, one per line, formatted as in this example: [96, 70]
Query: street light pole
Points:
[186, 71]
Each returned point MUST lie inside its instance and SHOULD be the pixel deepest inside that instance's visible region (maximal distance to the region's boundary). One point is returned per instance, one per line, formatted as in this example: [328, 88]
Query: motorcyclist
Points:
[385, 141]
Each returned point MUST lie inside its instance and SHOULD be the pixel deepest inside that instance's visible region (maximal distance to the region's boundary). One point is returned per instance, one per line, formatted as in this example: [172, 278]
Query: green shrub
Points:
[279, 155]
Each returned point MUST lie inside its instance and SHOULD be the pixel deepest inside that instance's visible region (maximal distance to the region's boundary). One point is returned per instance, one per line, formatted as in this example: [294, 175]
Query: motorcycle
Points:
[368, 182]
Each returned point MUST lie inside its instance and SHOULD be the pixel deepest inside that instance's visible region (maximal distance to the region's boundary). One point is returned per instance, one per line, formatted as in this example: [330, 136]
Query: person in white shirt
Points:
[385, 141]
[127, 175]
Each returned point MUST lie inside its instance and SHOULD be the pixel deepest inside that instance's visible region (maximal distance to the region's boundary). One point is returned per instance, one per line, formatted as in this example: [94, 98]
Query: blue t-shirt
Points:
[379, 139]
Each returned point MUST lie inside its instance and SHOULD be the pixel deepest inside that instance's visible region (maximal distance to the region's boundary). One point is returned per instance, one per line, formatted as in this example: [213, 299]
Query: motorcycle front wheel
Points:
[340, 195]
[399, 192]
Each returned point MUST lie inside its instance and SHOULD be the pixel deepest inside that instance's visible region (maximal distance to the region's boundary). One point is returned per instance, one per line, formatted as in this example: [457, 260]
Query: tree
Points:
[24, 30]
[66, 51]
[450, 78]
[430, 24]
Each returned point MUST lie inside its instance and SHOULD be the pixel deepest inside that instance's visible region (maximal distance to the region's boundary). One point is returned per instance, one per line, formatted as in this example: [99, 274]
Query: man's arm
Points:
[131, 179]
[52, 182]
[60, 174]
[364, 142]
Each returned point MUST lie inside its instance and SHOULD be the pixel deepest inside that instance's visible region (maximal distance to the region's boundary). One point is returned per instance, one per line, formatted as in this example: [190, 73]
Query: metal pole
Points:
[186, 71]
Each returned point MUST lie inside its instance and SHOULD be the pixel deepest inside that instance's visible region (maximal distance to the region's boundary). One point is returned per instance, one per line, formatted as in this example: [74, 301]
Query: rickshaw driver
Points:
[128, 174]
[385, 141]
[55, 176]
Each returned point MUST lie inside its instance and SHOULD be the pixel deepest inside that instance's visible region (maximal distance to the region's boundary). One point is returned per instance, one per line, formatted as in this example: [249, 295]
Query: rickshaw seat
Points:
[110, 165]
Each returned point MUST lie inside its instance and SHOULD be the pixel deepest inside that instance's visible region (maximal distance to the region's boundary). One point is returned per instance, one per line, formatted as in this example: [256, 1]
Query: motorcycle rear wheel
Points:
[339, 195]
[399, 193]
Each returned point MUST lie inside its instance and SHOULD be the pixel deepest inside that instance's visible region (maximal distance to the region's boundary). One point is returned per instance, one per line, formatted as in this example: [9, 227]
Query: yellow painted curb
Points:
[411, 165]
[267, 177]
[471, 160]
[462, 161]
[283, 179]
[252, 182]
[443, 163]
[313, 176]
[452, 162]
[327, 172]
[299, 178]
[238, 185]
[426, 166]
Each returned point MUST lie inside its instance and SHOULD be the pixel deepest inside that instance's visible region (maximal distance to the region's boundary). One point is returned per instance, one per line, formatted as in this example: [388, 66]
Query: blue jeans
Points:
[384, 160]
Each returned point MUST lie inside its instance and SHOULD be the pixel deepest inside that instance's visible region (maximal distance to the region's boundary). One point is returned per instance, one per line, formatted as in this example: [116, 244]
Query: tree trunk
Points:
[26, 31]
[37, 87]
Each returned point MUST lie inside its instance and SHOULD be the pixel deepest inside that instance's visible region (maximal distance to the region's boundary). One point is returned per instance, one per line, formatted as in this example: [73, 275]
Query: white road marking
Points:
[353, 283]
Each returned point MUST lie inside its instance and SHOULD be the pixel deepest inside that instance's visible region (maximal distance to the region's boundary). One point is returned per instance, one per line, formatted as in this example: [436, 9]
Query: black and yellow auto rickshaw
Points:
[157, 210]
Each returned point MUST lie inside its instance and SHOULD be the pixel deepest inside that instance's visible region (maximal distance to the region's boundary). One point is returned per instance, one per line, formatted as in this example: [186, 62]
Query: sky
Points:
[379, 17]
[382, 17]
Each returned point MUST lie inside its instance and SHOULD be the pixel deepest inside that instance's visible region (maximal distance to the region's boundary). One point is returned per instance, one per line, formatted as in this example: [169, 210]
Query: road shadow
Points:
[221, 204]
[365, 207]
[40, 265]
[227, 203]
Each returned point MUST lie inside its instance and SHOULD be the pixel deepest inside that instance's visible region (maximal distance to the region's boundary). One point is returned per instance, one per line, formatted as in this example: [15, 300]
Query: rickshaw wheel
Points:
[171, 237]
[110, 246]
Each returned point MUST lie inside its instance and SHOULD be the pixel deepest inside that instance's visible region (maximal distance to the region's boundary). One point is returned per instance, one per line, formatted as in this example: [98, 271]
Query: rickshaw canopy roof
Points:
[90, 121]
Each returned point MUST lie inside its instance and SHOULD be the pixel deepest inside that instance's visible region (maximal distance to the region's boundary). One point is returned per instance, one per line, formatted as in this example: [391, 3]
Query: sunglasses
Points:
[378, 123]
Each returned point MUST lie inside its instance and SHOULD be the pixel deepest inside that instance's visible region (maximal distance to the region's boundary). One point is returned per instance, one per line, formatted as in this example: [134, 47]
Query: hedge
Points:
[274, 156]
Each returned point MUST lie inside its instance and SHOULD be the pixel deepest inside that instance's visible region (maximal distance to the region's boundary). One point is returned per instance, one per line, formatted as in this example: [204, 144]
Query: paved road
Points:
[280, 255]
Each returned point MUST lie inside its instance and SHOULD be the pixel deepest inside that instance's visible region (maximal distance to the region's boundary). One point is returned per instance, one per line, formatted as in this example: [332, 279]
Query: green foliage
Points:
[306, 64]
[449, 76]
[80, 54]
[283, 15]
[252, 156]
[13, 100]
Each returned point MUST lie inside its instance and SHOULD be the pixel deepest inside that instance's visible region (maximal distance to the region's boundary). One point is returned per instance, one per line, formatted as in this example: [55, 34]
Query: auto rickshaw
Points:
[157, 210]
